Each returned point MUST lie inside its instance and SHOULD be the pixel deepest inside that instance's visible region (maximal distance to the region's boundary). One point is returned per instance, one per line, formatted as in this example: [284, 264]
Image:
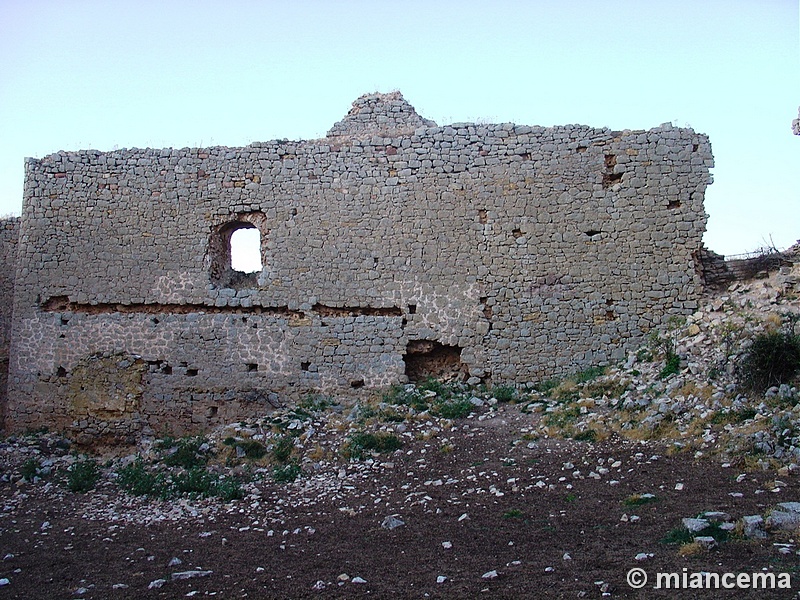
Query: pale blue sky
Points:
[79, 74]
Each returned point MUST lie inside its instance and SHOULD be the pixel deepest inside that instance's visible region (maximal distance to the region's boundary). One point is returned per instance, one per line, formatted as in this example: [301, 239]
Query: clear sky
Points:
[78, 74]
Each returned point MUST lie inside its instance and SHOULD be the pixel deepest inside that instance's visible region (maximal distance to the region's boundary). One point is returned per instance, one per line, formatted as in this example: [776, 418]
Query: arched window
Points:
[236, 251]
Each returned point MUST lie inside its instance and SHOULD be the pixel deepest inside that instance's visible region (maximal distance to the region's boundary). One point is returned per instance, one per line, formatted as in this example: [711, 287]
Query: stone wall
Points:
[391, 249]
[9, 233]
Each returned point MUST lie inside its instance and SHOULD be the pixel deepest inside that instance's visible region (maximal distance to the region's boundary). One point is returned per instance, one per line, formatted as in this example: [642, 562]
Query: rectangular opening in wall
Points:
[252, 367]
[429, 359]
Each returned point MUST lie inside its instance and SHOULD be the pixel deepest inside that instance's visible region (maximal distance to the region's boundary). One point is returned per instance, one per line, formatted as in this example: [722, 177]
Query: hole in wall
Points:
[526, 155]
[236, 251]
[252, 367]
[610, 316]
[581, 149]
[155, 320]
[412, 309]
[61, 372]
[159, 366]
[483, 216]
[592, 232]
[191, 372]
[212, 411]
[374, 261]
[695, 147]
[357, 383]
[517, 233]
[610, 179]
[674, 204]
[425, 359]
[304, 366]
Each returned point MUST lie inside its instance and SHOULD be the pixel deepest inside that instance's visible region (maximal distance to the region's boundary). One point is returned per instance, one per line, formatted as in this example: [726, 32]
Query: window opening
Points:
[246, 250]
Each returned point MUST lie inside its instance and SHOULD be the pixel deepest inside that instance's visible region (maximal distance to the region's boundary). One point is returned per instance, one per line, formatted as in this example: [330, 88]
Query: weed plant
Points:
[82, 475]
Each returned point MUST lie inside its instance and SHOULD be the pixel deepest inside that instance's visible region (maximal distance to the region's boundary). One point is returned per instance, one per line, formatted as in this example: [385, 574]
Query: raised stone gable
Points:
[391, 249]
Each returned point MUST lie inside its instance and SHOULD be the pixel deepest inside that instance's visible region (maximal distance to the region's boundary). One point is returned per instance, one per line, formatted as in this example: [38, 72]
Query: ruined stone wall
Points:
[9, 232]
[504, 253]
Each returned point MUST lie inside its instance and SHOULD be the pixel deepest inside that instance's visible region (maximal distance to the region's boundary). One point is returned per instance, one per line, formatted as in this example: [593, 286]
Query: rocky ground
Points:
[667, 463]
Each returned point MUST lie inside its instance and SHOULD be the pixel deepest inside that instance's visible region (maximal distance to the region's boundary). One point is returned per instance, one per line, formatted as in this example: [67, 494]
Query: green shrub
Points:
[546, 386]
[441, 389]
[184, 452]
[513, 513]
[140, 481]
[228, 489]
[82, 475]
[587, 435]
[314, 403]
[29, 469]
[361, 442]
[505, 393]
[388, 415]
[679, 536]
[194, 481]
[286, 473]
[253, 449]
[283, 448]
[587, 375]
[772, 359]
[672, 365]
[453, 409]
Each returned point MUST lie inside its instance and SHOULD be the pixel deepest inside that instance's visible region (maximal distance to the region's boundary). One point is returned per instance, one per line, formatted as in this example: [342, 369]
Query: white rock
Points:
[695, 525]
[706, 541]
[157, 583]
[490, 575]
[441, 579]
[181, 575]
[358, 580]
[392, 522]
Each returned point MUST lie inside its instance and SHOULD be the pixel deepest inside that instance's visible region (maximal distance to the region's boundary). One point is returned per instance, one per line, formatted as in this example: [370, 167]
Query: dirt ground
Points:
[548, 517]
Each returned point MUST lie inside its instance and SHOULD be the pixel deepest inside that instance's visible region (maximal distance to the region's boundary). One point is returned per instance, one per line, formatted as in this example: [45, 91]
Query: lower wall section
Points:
[109, 377]
[109, 372]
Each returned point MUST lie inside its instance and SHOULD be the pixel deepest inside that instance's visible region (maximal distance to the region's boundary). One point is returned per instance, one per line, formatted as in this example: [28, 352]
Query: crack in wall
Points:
[356, 311]
[63, 304]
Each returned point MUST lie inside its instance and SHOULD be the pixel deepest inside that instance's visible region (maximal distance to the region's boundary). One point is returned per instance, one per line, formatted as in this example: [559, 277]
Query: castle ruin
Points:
[391, 250]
